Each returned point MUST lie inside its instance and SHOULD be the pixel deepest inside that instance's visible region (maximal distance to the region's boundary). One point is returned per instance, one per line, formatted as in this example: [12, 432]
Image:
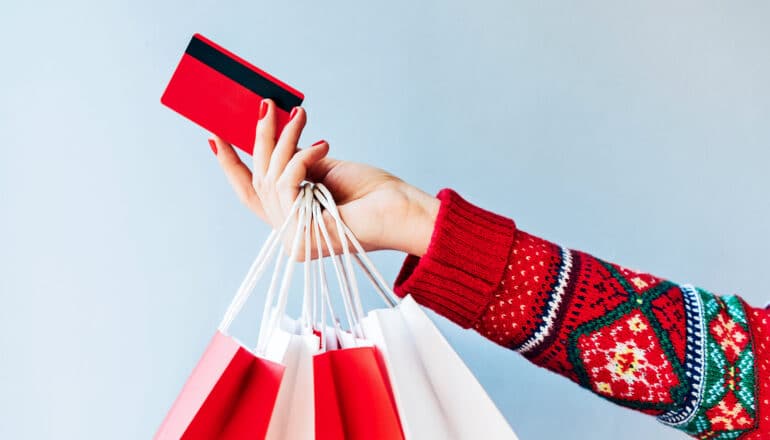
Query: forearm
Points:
[692, 359]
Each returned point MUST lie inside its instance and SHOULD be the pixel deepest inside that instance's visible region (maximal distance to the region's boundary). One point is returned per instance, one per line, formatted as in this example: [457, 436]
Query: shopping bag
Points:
[353, 399]
[293, 415]
[227, 377]
[232, 391]
[436, 395]
[422, 417]
[298, 340]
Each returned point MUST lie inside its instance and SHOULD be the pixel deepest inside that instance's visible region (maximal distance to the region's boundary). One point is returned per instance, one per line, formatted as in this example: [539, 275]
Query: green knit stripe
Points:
[728, 407]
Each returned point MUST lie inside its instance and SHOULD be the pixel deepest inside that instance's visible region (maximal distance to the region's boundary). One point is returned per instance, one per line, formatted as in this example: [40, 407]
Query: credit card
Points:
[221, 92]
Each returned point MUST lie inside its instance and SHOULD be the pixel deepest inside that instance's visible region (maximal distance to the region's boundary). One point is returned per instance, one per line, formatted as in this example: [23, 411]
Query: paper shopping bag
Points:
[293, 415]
[353, 399]
[232, 392]
[436, 394]
[229, 395]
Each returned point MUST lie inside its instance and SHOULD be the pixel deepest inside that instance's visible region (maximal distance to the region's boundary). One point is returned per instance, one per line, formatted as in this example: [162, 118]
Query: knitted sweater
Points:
[696, 361]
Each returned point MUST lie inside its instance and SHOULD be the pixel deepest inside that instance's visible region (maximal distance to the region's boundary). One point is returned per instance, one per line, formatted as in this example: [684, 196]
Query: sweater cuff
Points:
[464, 263]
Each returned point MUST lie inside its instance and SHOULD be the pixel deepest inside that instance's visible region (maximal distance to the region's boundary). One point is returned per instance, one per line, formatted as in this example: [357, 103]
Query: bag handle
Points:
[257, 268]
[324, 197]
[339, 268]
[349, 287]
[306, 316]
[324, 286]
[272, 320]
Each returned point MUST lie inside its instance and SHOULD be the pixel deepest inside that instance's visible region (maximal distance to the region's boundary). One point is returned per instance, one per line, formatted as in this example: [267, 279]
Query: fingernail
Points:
[262, 109]
[318, 143]
[213, 146]
[293, 112]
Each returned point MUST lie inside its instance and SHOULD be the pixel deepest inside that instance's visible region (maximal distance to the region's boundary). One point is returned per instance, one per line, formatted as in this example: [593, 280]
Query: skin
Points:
[383, 211]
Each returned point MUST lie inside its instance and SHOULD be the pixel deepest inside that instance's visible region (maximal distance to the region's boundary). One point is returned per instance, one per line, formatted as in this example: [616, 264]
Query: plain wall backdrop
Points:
[636, 131]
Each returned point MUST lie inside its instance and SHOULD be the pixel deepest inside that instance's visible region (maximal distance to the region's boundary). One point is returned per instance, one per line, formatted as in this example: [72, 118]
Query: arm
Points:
[696, 361]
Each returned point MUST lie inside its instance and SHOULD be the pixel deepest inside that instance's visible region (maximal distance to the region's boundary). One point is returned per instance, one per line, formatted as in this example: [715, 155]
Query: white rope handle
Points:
[350, 294]
[316, 268]
[339, 270]
[307, 300]
[257, 268]
[324, 285]
[314, 237]
[324, 197]
[308, 209]
[271, 321]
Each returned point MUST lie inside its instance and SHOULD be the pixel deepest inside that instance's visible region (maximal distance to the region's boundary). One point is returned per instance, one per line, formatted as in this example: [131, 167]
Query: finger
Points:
[296, 171]
[239, 175]
[318, 171]
[287, 142]
[264, 140]
[264, 144]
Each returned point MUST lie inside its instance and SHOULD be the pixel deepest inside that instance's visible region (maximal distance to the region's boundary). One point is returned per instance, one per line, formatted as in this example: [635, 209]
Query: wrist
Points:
[423, 223]
[415, 230]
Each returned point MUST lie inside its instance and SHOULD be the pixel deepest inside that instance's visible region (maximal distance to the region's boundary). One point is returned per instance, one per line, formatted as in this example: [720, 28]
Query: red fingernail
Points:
[262, 109]
[318, 143]
[293, 112]
[213, 146]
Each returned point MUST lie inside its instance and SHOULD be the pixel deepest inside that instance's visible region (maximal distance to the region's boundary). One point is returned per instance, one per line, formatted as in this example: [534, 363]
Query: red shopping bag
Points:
[232, 392]
[229, 395]
[353, 399]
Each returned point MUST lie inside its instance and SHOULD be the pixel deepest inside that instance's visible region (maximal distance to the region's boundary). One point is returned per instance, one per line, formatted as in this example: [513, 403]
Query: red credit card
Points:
[221, 92]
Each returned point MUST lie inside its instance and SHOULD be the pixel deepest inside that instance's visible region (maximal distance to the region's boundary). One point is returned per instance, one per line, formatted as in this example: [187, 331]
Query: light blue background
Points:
[638, 131]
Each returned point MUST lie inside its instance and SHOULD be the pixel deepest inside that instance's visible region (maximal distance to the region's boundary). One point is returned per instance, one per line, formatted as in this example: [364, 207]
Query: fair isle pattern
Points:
[625, 355]
[625, 361]
[612, 329]
[760, 325]
[552, 306]
[694, 361]
[728, 406]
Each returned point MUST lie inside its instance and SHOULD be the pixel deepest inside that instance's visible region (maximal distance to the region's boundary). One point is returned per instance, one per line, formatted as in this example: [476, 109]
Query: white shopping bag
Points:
[436, 394]
[294, 412]
[293, 415]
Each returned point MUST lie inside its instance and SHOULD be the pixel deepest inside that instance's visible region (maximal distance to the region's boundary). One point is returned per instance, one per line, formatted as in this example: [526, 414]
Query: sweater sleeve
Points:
[696, 361]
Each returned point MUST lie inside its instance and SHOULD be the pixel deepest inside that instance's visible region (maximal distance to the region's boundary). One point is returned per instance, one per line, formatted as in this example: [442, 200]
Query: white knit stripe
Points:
[553, 305]
[695, 360]
[699, 386]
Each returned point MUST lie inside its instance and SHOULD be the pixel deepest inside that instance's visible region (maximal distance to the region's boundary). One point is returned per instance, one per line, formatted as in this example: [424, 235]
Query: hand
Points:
[383, 211]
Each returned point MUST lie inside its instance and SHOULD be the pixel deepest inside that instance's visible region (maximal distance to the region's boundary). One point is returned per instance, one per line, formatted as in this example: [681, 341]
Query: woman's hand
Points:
[383, 211]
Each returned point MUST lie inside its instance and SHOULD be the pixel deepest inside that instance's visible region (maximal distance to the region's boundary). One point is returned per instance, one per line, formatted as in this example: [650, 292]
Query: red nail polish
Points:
[213, 146]
[318, 143]
[262, 109]
[293, 112]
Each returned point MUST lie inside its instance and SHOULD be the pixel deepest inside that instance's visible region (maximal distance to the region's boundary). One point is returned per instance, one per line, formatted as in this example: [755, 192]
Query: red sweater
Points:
[697, 361]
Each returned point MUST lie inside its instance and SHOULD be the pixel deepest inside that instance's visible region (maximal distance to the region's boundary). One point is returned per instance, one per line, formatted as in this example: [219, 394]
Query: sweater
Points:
[696, 361]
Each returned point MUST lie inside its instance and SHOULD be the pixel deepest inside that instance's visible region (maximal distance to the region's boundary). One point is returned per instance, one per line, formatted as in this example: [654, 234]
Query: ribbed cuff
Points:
[464, 263]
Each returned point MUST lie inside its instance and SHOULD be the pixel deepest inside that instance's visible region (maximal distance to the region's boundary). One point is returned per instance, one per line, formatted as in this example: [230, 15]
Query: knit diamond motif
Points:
[624, 360]
[627, 355]
[729, 415]
[630, 356]
[729, 335]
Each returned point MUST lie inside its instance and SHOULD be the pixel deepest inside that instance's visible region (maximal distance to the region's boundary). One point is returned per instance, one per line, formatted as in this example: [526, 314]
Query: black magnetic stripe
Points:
[241, 74]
